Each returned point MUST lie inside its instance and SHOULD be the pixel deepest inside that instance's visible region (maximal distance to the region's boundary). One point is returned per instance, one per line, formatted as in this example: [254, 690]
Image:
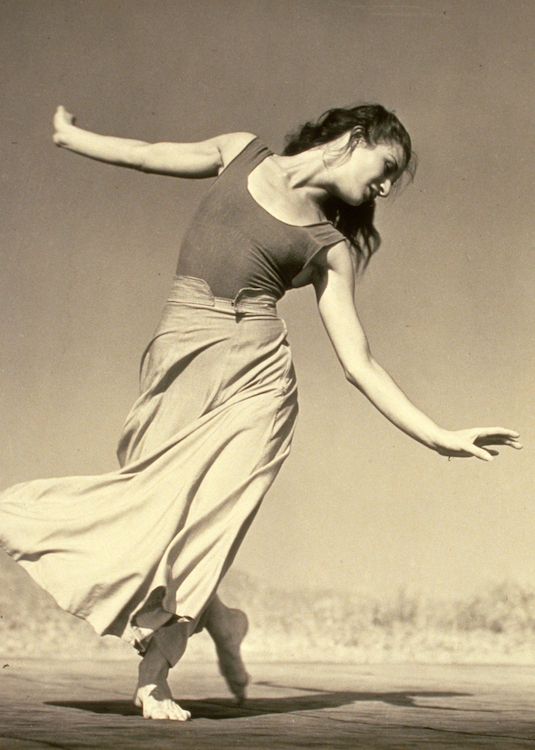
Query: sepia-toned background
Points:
[88, 252]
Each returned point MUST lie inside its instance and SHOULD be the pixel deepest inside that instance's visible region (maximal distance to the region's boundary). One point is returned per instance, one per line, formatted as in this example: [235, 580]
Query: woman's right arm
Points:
[193, 160]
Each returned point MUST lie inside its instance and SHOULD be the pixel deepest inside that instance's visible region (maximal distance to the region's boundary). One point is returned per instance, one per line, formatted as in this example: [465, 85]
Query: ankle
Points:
[154, 667]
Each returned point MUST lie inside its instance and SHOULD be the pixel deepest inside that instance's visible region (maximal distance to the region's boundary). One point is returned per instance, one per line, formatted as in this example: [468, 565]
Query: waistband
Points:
[248, 300]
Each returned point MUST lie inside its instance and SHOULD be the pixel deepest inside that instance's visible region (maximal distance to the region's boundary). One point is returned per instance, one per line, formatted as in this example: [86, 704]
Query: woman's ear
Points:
[357, 137]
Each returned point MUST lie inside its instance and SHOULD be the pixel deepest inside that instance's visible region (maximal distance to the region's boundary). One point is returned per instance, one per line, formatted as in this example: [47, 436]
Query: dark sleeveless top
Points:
[234, 243]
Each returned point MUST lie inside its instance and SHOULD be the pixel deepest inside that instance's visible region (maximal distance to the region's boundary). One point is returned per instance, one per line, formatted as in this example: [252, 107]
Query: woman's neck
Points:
[306, 173]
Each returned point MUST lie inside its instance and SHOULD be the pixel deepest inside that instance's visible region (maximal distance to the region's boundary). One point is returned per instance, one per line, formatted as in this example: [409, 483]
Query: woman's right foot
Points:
[157, 702]
[153, 694]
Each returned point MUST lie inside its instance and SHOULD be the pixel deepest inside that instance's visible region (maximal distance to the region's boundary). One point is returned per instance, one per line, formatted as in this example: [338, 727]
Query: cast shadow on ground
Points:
[315, 700]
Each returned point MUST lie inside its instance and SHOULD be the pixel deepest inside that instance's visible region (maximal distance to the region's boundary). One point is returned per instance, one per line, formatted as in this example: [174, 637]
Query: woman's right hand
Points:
[62, 121]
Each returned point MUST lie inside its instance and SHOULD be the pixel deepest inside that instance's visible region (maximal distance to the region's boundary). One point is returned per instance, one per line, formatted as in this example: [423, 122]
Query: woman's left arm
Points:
[334, 281]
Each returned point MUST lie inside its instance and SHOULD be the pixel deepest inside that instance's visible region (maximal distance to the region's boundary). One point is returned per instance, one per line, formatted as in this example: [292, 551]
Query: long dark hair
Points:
[374, 124]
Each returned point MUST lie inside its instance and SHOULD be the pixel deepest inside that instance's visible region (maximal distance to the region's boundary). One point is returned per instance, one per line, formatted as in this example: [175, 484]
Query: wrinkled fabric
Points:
[148, 544]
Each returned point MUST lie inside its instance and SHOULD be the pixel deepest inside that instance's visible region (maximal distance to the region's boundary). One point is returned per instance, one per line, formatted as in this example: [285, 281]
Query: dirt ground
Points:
[81, 704]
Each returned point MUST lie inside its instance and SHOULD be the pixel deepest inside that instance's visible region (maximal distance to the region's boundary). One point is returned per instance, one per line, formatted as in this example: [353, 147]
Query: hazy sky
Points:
[88, 252]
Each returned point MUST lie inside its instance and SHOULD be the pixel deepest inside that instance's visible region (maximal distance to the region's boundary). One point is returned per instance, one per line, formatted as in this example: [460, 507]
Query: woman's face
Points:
[369, 172]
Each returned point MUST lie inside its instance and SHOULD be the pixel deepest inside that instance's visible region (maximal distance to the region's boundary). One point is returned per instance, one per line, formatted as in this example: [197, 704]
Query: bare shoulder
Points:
[333, 266]
[231, 144]
[337, 257]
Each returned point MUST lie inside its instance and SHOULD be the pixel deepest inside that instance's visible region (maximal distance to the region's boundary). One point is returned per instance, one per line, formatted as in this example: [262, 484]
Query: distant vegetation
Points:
[494, 626]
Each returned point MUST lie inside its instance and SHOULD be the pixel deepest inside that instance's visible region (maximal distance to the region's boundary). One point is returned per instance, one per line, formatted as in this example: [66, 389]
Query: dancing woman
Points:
[140, 552]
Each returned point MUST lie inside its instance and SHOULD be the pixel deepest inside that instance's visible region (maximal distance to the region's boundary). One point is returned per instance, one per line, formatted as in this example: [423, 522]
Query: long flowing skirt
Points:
[131, 550]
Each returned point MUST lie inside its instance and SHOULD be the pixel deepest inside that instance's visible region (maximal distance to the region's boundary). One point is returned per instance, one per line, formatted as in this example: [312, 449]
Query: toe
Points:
[175, 712]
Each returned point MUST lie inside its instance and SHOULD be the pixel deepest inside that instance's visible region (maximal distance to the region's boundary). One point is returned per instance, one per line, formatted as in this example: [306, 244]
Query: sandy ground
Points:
[81, 704]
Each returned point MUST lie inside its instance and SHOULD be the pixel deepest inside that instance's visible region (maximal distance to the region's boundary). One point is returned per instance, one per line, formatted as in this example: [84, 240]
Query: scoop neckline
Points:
[264, 210]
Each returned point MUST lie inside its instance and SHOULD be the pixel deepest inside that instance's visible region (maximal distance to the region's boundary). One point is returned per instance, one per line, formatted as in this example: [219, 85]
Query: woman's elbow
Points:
[354, 377]
[358, 370]
[140, 156]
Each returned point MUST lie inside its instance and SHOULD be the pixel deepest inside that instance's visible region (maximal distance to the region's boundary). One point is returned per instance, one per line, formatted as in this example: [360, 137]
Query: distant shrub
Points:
[493, 625]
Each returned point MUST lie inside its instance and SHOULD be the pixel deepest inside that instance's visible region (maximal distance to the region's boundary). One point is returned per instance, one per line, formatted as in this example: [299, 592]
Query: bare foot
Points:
[157, 703]
[153, 694]
[228, 628]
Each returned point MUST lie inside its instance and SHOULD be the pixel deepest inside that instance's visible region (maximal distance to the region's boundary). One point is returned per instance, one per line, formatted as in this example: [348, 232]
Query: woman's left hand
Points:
[477, 442]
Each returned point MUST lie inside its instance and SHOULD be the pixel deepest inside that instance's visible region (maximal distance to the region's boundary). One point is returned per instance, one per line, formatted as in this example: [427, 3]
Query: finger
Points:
[497, 432]
[481, 453]
[505, 443]
[497, 440]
